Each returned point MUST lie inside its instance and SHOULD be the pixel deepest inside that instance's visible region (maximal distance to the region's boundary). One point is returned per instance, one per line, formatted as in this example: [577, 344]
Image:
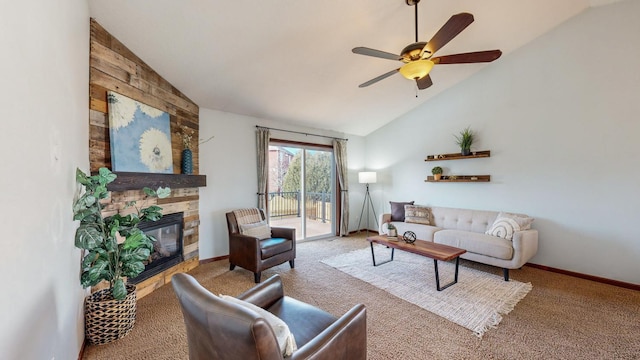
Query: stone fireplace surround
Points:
[183, 199]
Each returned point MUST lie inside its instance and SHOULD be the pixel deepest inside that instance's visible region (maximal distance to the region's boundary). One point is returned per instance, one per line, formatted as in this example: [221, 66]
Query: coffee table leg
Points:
[373, 256]
[455, 279]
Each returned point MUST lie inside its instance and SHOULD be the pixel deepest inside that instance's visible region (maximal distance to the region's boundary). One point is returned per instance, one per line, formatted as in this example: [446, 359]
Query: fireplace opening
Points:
[167, 249]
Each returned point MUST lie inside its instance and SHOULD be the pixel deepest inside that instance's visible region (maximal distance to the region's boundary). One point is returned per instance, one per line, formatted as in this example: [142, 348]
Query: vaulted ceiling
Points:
[291, 61]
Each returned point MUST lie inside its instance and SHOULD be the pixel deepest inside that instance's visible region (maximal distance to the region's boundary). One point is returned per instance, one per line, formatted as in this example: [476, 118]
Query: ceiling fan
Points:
[418, 57]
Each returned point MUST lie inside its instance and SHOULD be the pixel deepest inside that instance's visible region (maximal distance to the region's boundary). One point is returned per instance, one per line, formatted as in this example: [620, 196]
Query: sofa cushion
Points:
[285, 338]
[261, 230]
[416, 214]
[476, 243]
[507, 224]
[397, 210]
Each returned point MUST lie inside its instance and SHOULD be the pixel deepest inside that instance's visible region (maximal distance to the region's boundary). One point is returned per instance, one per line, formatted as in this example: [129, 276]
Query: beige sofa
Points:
[466, 229]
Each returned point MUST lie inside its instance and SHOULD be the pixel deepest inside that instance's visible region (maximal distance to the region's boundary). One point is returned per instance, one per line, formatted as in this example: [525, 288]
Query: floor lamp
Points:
[367, 177]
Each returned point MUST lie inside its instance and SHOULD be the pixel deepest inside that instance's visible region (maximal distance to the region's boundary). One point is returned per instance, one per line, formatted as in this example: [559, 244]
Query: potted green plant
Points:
[114, 248]
[465, 140]
[437, 172]
[391, 230]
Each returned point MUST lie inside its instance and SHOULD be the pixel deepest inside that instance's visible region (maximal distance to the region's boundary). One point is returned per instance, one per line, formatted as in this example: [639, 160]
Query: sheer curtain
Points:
[340, 152]
[262, 148]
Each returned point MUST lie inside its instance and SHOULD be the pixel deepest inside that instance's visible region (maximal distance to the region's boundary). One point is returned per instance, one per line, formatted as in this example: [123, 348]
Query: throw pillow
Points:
[507, 224]
[416, 214]
[261, 230]
[286, 341]
[397, 210]
[522, 220]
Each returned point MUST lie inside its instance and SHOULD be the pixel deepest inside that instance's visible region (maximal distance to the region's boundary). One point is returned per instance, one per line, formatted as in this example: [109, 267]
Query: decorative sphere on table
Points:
[409, 237]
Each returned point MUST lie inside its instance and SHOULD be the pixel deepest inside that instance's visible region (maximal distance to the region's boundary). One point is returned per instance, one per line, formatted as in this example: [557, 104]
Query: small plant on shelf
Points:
[465, 140]
[437, 172]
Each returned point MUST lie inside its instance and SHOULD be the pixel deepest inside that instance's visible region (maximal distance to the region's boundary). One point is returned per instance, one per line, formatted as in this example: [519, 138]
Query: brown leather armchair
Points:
[256, 255]
[219, 329]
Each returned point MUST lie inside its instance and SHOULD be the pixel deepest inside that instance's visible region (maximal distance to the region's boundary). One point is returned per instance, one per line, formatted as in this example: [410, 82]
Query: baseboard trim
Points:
[81, 354]
[622, 284]
[373, 232]
[217, 258]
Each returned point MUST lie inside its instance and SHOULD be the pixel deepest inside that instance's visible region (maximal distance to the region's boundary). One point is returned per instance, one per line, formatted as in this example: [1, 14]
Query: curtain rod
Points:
[302, 133]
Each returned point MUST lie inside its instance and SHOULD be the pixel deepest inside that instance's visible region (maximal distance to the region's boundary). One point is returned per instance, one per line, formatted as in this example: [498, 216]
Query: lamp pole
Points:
[367, 178]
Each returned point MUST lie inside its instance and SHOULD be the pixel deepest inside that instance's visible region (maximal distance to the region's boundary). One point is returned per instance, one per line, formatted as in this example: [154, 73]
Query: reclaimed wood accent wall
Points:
[113, 67]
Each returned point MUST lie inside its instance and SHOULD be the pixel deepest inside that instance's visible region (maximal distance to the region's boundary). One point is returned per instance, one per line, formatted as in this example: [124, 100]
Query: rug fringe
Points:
[504, 308]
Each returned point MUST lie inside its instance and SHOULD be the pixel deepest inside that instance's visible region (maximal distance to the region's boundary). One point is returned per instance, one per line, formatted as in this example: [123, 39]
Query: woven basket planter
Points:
[107, 319]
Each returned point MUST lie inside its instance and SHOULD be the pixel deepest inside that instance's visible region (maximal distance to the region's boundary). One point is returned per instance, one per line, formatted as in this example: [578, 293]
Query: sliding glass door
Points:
[301, 189]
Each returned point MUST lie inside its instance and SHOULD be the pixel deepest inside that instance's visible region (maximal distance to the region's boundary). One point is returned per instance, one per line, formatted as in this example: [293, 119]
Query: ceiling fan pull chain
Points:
[416, 5]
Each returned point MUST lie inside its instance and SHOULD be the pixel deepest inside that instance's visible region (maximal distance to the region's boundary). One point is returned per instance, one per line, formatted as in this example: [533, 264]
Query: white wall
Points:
[229, 161]
[44, 136]
[560, 117]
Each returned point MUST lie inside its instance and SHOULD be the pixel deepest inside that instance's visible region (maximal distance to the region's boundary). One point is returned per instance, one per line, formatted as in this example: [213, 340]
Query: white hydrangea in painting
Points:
[140, 136]
[155, 150]
[151, 111]
[121, 110]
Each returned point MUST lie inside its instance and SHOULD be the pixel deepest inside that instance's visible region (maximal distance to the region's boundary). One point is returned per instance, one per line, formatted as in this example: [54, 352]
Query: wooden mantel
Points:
[136, 181]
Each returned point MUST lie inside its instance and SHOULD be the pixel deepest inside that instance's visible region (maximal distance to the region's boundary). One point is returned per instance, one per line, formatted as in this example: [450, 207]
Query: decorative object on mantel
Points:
[437, 172]
[187, 154]
[113, 248]
[465, 140]
[140, 136]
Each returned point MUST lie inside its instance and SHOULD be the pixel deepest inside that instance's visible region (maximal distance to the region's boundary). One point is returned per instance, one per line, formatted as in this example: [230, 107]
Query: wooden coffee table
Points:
[421, 247]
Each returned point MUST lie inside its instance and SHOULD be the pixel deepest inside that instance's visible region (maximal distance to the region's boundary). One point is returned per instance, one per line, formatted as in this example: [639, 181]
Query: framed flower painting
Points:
[140, 136]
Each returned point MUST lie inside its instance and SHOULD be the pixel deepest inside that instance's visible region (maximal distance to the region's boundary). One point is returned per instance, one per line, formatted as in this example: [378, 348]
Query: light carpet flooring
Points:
[561, 318]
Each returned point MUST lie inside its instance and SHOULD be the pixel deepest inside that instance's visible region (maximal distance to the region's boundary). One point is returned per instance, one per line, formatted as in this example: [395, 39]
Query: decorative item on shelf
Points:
[392, 231]
[437, 172]
[114, 248]
[473, 178]
[187, 154]
[465, 140]
[453, 177]
[409, 237]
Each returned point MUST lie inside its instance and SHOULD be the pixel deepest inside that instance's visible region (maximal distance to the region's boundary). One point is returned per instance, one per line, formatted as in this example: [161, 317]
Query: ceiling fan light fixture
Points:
[416, 70]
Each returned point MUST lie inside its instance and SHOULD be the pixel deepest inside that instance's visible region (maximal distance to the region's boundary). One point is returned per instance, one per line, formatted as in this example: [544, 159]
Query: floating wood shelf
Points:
[458, 156]
[461, 178]
[137, 181]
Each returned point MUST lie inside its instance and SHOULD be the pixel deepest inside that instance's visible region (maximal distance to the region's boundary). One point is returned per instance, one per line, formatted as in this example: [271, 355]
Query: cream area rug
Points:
[477, 301]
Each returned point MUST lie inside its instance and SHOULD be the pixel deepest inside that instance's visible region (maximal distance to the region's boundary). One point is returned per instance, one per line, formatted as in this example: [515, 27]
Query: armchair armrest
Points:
[264, 294]
[346, 338]
[283, 232]
[247, 246]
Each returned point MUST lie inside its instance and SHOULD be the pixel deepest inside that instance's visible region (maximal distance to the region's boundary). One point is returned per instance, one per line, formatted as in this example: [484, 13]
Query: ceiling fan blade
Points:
[448, 31]
[424, 83]
[376, 79]
[467, 58]
[375, 53]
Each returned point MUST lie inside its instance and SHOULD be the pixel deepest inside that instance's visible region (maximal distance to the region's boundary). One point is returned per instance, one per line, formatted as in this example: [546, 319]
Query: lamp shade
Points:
[367, 177]
[416, 69]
